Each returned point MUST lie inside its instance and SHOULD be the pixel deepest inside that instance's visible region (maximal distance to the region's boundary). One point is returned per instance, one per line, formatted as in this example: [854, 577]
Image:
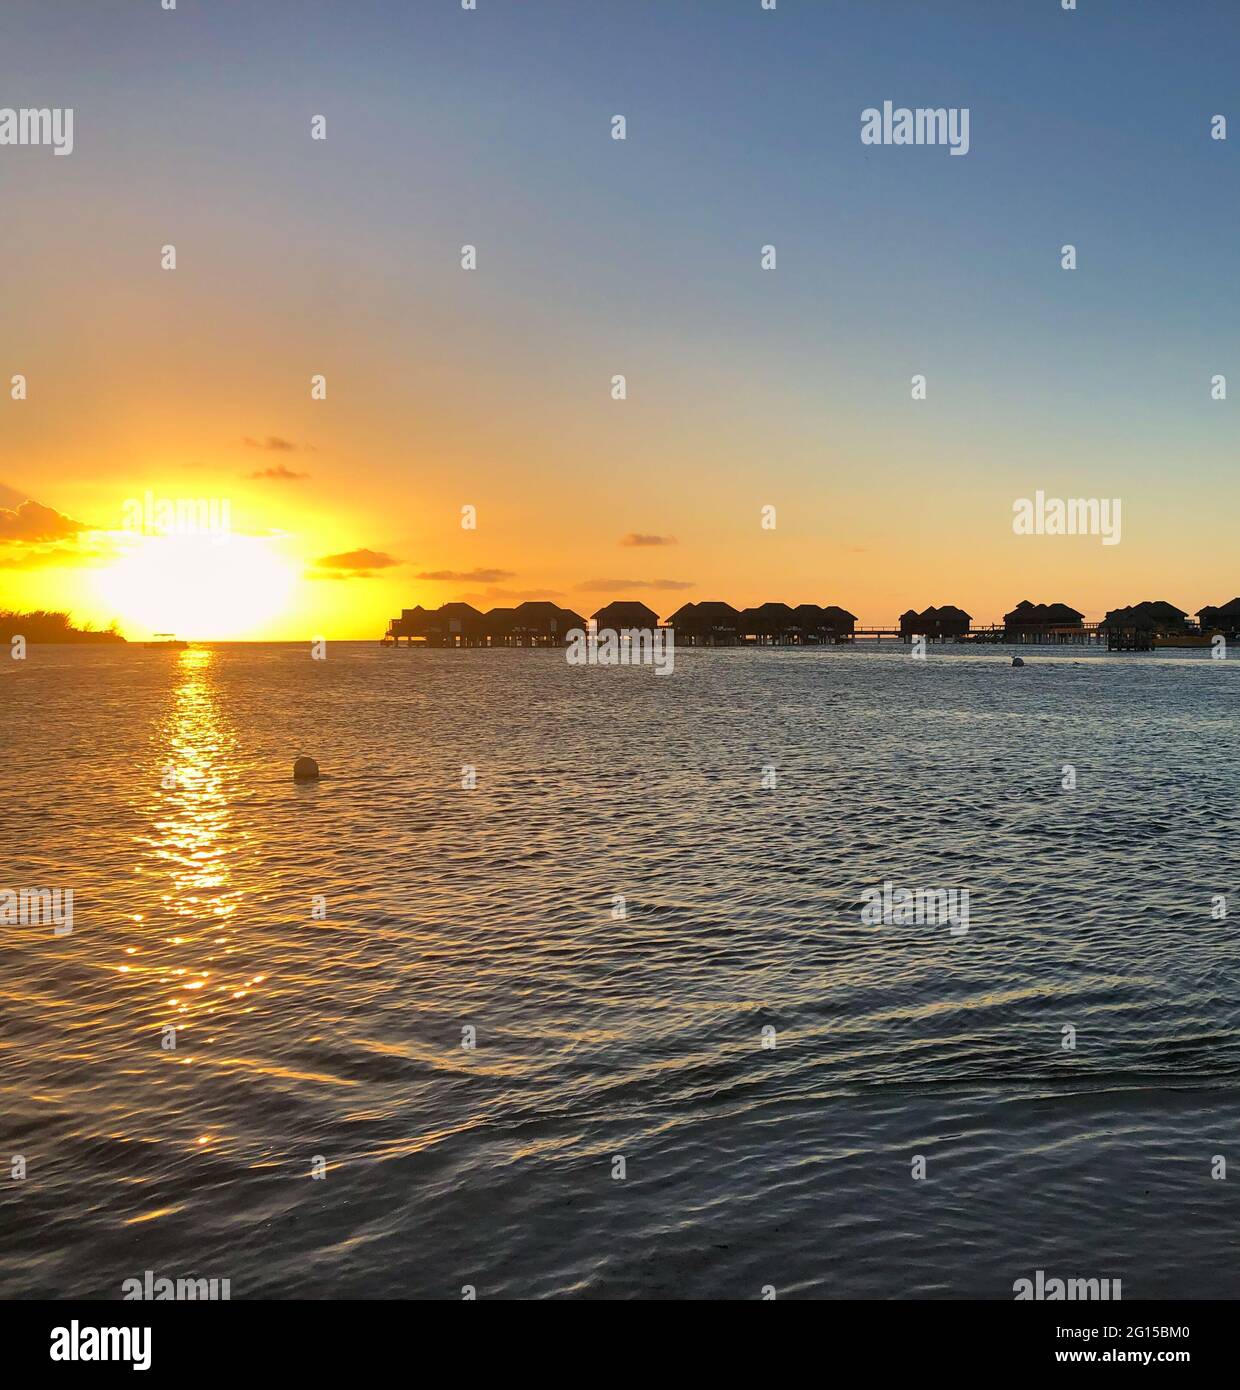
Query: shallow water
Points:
[600, 1037]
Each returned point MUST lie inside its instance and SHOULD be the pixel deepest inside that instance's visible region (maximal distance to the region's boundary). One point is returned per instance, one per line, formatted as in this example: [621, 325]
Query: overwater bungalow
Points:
[840, 622]
[747, 624]
[708, 624]
[953, 623]
[1156, 617]
[625, 613]
[1224, 619]
[538, 623]
[411, 625]
[451, 625]
[414, 621]
[1043, 623]
[814, 625]
[946, 624]
[460, 625]
[809, 625]
[497, 626]
[770, 624]
[532, 624]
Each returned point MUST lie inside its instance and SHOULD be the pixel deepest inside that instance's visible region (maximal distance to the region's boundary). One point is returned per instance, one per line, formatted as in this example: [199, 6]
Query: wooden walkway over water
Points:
[1085, 635]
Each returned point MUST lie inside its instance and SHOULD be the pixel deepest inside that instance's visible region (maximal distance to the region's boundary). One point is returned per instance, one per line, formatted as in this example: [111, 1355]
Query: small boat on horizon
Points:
[167, 641]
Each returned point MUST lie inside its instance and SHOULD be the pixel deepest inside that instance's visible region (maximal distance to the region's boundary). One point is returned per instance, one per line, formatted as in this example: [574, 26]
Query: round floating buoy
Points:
[305, 770]
[1016, 661]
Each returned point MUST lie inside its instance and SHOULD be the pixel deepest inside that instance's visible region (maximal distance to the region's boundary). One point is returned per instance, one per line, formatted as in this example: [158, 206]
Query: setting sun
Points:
[198, 586]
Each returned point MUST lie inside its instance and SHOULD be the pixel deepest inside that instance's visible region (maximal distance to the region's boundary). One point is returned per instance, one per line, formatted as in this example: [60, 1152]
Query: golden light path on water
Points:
[187, 868]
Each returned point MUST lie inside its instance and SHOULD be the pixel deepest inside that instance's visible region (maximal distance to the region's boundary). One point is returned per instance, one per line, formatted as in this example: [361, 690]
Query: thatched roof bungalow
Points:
[625, 613]
[1224, 619]
[1156, 617]
[768, 623]
[945, 624]
[413, 624]
[415, 621]
[539, 623]
[953, 622]
[810, 623]
[460, 625]
[497, 627]
[1042, 623]
[450, 625]
[840, 622]
[708, 624]
[813, 623]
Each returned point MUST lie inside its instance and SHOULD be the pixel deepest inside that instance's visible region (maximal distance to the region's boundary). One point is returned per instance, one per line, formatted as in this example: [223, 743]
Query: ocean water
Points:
[766, 1063]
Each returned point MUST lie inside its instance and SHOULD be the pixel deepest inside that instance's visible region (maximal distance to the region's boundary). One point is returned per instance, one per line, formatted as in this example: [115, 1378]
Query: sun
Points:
[201, 587]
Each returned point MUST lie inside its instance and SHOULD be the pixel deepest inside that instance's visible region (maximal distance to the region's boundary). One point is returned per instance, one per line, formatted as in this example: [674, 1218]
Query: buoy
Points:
[1016, 661]
[305, 770]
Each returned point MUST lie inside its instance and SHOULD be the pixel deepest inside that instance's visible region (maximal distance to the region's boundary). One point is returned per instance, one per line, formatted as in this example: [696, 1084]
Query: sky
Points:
[492, 388]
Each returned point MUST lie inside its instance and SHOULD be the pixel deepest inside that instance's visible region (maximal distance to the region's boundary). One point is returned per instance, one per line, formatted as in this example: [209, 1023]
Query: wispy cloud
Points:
[272, 444]
[612, 585]
[352, 564]
[479, 576]
[636, 538]
[279, 471]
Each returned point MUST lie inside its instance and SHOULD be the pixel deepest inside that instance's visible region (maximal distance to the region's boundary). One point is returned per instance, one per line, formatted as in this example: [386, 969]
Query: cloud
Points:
[44, 557]
[610, 585]
[636, 538]
[352, 564]
[467, 577]
[33, 522]
[272, 444]
[279, 471]
[357, 560]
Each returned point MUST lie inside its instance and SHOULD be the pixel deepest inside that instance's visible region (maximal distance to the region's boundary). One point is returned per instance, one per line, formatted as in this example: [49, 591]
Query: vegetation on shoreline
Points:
[43, 626]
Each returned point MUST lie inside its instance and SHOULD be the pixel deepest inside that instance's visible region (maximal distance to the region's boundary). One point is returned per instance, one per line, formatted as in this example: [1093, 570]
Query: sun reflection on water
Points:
[187, 856]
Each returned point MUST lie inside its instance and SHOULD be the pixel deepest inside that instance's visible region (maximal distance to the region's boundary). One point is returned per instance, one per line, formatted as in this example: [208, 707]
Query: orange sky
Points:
[876, 512]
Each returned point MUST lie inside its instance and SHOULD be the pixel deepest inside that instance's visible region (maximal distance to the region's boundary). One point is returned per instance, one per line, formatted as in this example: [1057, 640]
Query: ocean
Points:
[560, 981]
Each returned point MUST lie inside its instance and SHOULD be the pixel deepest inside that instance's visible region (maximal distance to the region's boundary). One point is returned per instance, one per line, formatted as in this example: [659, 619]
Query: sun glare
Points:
[200, 587]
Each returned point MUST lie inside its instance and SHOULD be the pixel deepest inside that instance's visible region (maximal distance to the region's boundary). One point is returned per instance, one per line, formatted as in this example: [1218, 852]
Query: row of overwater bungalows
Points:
[1151, 623]
[1157, 623]
[541, 623]
[544, 624]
